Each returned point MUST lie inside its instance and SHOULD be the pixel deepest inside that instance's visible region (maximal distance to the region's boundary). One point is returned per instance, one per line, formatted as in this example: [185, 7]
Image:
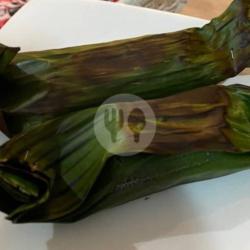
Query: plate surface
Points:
[210, 215]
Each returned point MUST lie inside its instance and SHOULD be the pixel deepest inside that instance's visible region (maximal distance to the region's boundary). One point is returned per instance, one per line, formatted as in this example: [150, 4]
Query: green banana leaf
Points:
[128, 178]
[57, 81]
[58, 172]
[6, 56]
[54, 172]
[122, 179]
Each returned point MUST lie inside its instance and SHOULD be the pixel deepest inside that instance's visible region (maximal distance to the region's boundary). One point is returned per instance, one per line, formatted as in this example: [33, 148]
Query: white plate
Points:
[211, 215]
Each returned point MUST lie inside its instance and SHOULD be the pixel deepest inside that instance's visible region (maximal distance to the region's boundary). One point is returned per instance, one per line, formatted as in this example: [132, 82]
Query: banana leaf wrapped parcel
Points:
[54, 169]
[152, 66]
[51, 173]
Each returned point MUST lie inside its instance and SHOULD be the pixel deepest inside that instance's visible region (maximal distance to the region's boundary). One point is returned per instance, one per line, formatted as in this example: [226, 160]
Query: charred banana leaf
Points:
[54, 172]
[154, 66]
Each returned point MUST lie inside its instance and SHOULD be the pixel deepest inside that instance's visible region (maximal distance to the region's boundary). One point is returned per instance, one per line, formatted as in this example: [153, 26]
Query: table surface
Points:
[209, 215]
[199, 8]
